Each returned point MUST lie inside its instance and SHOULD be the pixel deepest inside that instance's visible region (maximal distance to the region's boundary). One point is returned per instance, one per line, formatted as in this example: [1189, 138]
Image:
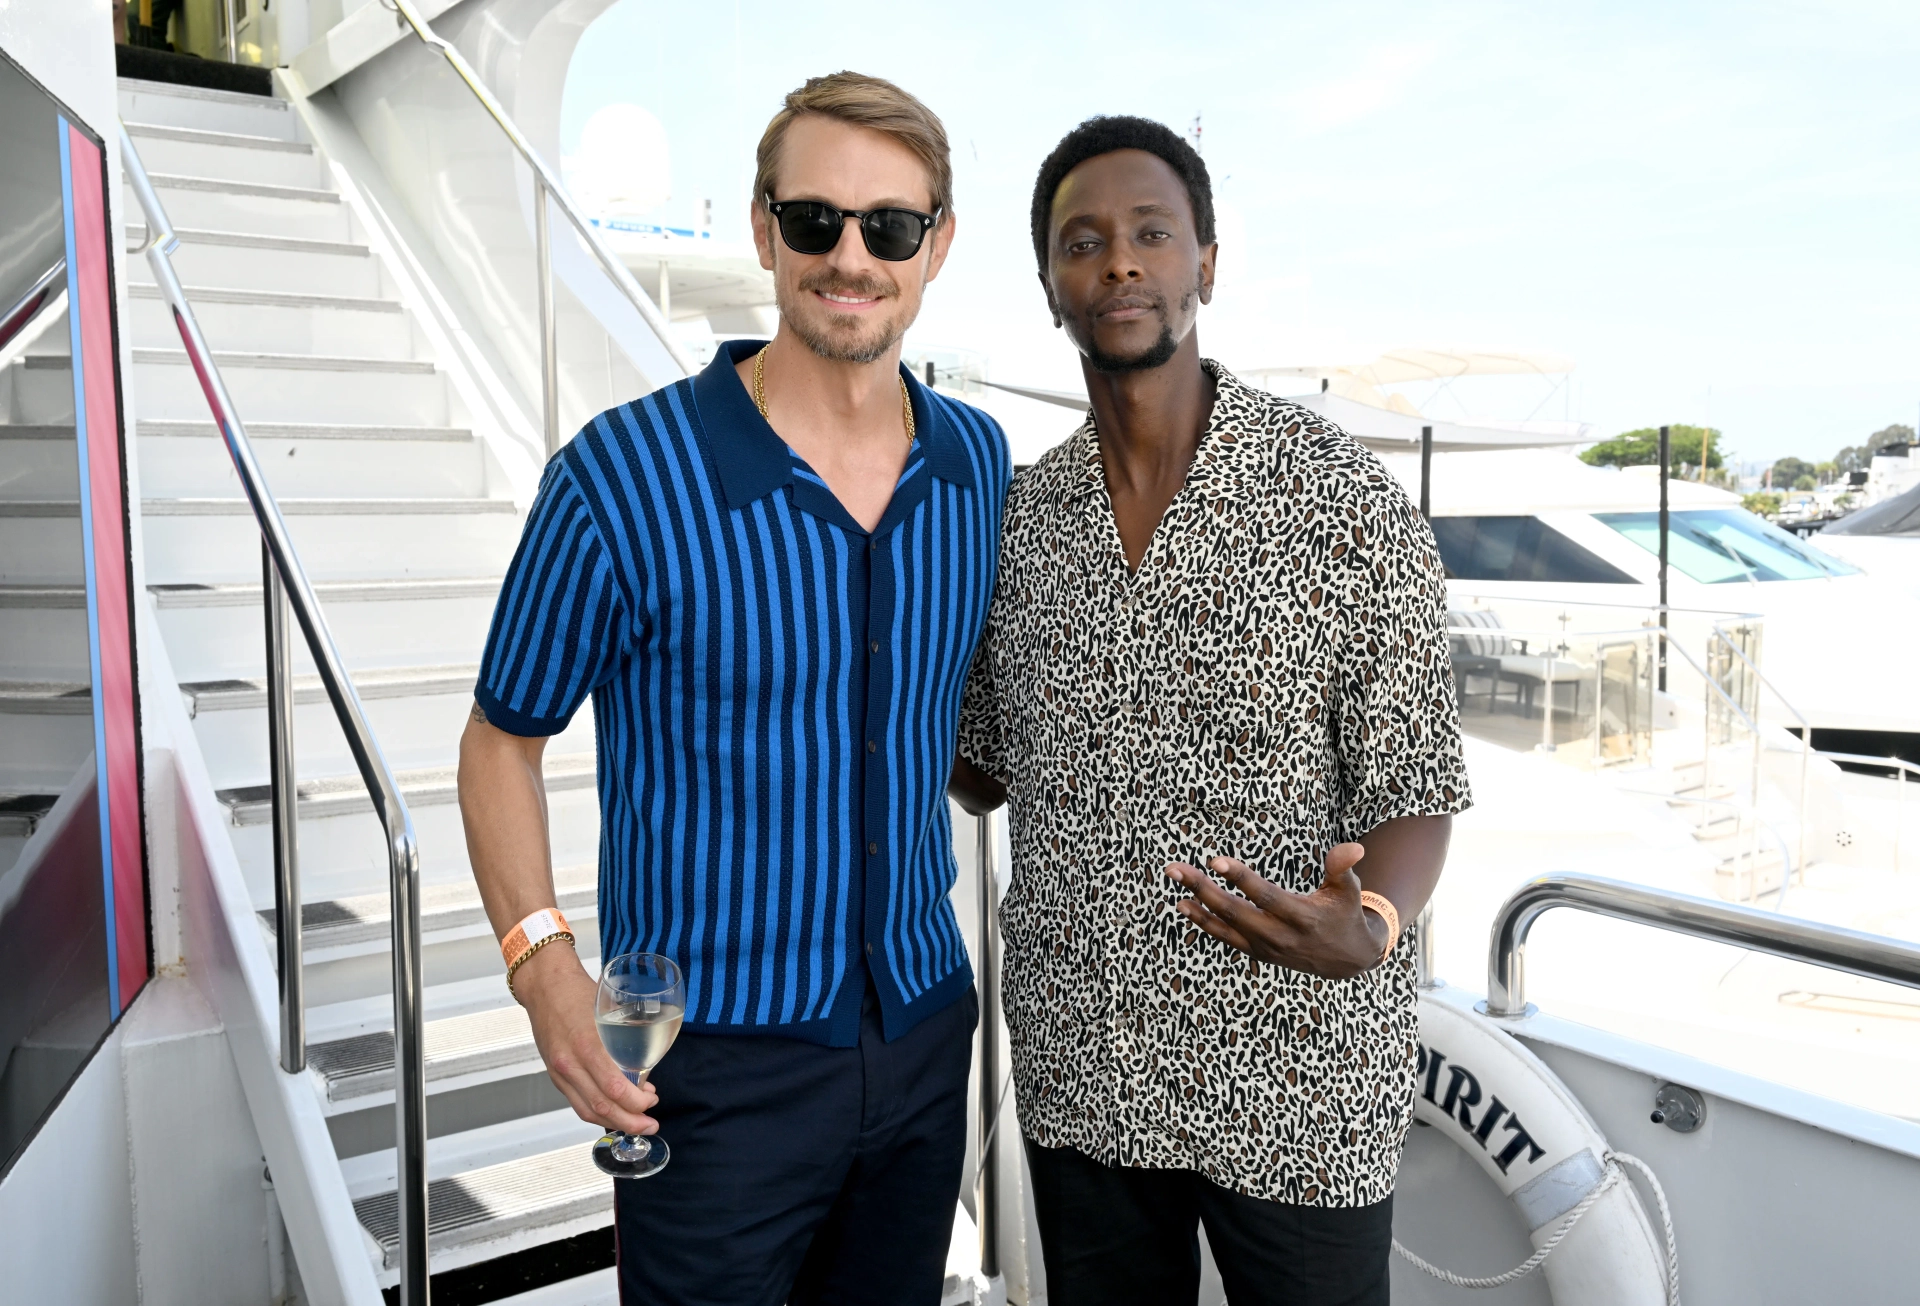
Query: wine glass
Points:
[637, 1010]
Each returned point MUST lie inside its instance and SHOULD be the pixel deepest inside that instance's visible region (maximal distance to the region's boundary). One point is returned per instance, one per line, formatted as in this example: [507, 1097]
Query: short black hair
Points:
[1103, 135]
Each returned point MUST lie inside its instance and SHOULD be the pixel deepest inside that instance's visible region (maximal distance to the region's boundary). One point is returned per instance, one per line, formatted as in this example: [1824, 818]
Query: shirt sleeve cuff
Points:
[502, 717]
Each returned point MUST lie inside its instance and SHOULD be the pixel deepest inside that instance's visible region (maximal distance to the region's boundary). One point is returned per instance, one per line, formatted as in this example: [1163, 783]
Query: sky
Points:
[1710, 208]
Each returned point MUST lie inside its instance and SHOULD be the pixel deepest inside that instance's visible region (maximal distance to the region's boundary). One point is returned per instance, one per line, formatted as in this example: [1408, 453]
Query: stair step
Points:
[242, 595]
[421, 787]
[380, 682]
[313, 507]
[252, 189]
[20, 814]
[171, 428]
[342, 922]
[456, 1048]
[203, 136]
[226, 361]
[270, 299]
[137, 233]
[523, 1198]
[42, 698]
[41, 598]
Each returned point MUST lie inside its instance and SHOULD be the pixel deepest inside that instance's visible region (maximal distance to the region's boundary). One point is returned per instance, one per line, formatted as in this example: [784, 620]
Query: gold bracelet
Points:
[524, 957]
[533, 933]
[1376, 903]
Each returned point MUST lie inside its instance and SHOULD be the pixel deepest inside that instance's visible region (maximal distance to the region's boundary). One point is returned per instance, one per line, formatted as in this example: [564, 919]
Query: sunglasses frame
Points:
[927, 221]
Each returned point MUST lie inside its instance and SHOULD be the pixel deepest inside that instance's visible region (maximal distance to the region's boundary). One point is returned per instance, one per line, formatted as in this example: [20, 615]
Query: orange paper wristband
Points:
[1388, 912]
[532, 934]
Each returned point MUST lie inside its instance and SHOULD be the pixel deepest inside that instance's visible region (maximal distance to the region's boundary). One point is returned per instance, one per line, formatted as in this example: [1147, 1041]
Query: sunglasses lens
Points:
[809, 227]
[893, 234]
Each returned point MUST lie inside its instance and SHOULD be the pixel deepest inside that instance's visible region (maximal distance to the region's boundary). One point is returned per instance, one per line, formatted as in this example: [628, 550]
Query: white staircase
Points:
[403, 521]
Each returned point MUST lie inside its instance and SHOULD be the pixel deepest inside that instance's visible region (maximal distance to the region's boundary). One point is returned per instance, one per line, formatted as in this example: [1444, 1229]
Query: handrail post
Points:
[283, 784]
[1427, 954]
[549, 334]
[986, 1203]
[409, 1059]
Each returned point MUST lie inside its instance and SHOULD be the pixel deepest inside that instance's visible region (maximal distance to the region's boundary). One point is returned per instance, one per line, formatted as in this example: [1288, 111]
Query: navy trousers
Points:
[802, 1174]
[1114, 1236]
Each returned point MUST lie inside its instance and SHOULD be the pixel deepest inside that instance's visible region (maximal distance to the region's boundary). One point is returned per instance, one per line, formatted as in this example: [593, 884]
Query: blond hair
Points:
[869, 102]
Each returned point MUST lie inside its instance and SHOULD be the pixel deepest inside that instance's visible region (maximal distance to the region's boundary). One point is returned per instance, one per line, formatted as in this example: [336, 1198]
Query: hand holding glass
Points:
[638, 1009]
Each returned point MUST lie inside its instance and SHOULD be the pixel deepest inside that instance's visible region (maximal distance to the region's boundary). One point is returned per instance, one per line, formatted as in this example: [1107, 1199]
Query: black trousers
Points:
[802, 1174]
[1123, 1237]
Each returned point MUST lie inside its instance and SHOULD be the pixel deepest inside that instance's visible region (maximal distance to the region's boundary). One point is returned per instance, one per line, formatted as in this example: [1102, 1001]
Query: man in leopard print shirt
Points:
[1217, 641]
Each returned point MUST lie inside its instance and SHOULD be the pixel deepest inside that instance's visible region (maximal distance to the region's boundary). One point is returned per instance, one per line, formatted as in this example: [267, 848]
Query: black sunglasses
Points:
[811, 227]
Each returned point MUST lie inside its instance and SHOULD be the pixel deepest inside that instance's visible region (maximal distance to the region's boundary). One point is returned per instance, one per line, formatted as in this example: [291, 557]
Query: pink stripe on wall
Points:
[92, 296]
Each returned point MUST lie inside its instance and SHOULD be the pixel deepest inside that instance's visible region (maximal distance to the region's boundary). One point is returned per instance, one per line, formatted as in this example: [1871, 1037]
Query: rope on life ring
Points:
[1503, 1106]
[1614, 1173]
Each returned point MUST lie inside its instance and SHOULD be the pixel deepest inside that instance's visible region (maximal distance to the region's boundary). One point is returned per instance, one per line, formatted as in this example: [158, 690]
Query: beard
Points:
[1154, 355]
[1157, 354]
[842, 339]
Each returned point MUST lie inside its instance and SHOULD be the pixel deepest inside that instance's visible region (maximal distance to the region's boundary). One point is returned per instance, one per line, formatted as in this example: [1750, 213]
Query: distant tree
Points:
[1762, 504]
[1805, 482]
[1641, 448]
[1787, 471]
[1855, 457]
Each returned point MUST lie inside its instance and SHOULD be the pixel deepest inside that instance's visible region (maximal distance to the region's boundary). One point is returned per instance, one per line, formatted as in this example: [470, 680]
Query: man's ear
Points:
[1046, 288]
[759, 218]
[1209, 257]
[942, 242]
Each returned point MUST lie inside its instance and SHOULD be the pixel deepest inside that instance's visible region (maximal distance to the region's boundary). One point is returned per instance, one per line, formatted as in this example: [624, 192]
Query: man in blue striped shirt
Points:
[770, 578]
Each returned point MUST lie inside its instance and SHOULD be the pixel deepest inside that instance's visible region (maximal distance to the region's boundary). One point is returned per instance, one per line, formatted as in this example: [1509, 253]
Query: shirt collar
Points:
[1229, 448]
[750, 460]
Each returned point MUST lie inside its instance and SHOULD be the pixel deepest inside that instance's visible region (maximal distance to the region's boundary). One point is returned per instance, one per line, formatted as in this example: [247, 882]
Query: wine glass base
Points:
[649, 1155]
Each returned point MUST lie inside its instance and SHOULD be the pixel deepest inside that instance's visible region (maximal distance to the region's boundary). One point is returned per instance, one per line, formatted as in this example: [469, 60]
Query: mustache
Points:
[861, 286]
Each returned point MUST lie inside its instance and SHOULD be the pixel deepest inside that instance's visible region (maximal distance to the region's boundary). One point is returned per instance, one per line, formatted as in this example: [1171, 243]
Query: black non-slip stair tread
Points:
[370, 683]
[421, 786]
[545, 1189]
[337, 922]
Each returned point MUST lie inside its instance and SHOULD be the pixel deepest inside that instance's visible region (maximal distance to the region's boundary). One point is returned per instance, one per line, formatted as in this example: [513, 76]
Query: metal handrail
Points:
[15, 317]
[1851, 951]
[986, 1201]
[1806, 730]
[547, 185]
[286, 584]
[1760, 823]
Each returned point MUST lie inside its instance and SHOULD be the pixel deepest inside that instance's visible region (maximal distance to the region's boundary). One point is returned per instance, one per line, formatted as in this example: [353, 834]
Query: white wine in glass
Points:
[641, 1001]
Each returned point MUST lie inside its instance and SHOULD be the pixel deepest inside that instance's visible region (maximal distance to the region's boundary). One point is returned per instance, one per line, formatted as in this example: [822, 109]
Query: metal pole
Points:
[549, 352]
[986, 1201]
[1426, 956]
[1899, 813]
[1665, 452]
[286, 843]
[410, 1084]
[1426, 472]
[233, 39]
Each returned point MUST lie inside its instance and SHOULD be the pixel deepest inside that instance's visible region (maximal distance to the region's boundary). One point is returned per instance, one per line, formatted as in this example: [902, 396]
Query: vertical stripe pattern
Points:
[776, 694]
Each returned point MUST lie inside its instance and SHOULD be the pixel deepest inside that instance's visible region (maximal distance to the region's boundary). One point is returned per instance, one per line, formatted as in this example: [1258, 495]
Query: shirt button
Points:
[872, 747]
[873, 850]
[869, 949]
[873, 646]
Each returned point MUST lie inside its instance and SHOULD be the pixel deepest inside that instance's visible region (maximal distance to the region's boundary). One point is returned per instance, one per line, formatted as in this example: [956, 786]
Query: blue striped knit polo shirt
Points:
[775, 695]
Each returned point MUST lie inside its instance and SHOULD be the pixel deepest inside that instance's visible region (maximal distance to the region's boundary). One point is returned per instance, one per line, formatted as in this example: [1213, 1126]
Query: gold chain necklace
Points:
[760, 391]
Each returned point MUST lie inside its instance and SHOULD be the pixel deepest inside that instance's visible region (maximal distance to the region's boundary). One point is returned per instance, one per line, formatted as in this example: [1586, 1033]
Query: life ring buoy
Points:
[1502, 1106]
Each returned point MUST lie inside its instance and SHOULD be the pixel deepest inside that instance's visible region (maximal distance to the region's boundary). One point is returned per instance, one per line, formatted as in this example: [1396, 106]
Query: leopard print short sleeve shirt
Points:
[1271, 681]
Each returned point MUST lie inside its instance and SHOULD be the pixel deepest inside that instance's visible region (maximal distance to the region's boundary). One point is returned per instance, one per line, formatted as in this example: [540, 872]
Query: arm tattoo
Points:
[479, 717]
